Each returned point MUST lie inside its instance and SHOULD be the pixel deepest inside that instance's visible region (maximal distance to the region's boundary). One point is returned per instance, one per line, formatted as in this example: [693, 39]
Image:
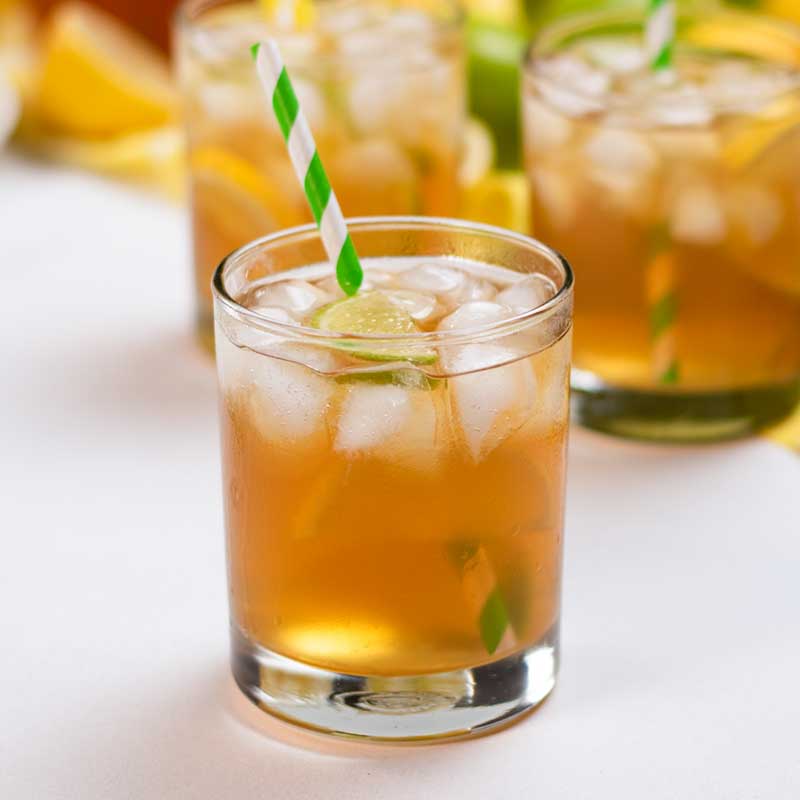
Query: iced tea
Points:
[382, 86]
[395, 506]
[676, 196]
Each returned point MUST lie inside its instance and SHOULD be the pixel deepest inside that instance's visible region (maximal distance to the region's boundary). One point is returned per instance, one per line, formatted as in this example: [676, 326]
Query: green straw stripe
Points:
[308, 168]
[317, 188]
[663, 314]
[284, 103]
[671, 374]
[348, 269]
[493, 621]
[663, 59]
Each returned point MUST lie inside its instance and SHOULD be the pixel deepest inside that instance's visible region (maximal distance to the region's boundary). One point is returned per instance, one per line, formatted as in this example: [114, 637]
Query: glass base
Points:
[678, 417]
[456, 704]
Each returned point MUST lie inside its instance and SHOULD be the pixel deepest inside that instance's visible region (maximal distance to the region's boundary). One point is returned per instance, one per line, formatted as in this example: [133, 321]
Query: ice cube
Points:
[474, 315]
[432, 278]
[545, 129]
[528, 293]
[756, 211]
[621, 151]
[370, 415]
[614, 55]
[686, 105]
[274, 313]
[313, 103]
[573, 87]
[490, 402]
[288, 399]
[296, 297]
[378, 174]
[555, 192]
[697, 215]
[472, 289]
[744, 85]
[419, 305]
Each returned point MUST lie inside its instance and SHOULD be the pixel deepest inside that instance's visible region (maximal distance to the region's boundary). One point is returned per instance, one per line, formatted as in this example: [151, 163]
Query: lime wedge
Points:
[373, 313]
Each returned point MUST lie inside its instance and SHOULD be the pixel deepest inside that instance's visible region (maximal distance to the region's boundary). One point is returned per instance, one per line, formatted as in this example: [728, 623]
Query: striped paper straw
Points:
[660, 33]
[660, 276]
[307, 165]
[663, 305]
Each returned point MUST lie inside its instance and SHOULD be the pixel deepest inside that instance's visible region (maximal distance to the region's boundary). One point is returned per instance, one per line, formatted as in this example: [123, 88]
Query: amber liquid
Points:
[719, 199]
[242, 182]
[382, 563]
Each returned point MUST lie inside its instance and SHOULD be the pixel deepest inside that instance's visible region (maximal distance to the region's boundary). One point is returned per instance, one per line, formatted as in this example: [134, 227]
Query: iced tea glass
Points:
[676, 198]
[394, 504]
[382, 86]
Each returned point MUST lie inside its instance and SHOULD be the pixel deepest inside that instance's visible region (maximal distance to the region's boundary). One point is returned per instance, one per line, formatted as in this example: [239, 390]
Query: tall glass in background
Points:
[394, 505]
[676, 197]
[382, 85]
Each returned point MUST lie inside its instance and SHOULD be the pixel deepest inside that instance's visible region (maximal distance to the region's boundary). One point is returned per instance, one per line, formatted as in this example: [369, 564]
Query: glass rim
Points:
[549, 38]
[310, 231]
[188, 13]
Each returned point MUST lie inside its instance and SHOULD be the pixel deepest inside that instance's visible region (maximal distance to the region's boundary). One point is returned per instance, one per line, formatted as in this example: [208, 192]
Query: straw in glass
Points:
[307, 165]
[660, 276]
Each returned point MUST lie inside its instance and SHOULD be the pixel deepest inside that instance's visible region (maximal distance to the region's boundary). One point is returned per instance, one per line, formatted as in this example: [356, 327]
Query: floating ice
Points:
[492, 401]
[296, 297]
[432, 278]
[556, 193]
[474, 315]
[619, 150]
[619, 57]
[529, 293]
[291, 398]
[686, 105]
[757, 211]
[697, 216]
[357, 166]
[545, 129]
[419, 305]
[370, 415]
[572, 86]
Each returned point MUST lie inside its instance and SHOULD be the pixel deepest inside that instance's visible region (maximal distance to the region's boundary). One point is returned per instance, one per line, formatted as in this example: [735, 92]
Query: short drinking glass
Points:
[394, 502]
[675, 194]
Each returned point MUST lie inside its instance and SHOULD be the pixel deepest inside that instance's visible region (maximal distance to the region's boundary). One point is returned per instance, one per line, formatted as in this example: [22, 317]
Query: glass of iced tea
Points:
[393, 468]
[676, 196]
[382, 86]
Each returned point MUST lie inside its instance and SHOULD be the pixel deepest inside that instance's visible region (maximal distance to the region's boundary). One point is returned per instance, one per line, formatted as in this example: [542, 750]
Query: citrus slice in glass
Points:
[373, 313]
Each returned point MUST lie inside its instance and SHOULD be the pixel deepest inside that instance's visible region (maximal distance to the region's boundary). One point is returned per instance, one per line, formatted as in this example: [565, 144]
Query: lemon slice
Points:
[757, 136]
[98, 79]
[478, 154]
[373, 313]
[743, 33]
[500, 198]
[154, 157]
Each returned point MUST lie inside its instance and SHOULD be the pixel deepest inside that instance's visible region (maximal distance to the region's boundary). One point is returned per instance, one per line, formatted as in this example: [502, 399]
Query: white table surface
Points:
[681, 657]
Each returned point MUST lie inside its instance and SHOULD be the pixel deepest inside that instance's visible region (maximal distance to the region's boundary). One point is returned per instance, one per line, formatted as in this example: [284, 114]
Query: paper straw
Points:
[663, 308]
[660, 277]
[660, 33]
[307, 165]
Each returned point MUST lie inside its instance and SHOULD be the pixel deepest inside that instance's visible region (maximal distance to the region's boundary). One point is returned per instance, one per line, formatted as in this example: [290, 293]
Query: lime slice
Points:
[373, 313]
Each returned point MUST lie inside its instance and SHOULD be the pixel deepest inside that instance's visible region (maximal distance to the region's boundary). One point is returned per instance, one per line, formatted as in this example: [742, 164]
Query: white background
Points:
[681, 657]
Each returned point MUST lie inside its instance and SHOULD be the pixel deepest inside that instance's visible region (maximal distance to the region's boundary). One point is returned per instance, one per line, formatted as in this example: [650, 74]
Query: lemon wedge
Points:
[98, 79]
[500, 198]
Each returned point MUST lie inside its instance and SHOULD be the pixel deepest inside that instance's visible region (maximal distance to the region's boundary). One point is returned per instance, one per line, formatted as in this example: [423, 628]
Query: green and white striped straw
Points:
[307, 165]
[661, 278]
[660, 33]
